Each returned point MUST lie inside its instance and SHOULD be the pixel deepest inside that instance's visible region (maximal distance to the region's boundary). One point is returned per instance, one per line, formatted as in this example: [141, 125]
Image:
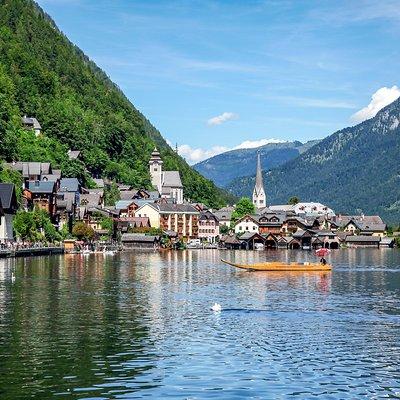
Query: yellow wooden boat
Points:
[281, 266]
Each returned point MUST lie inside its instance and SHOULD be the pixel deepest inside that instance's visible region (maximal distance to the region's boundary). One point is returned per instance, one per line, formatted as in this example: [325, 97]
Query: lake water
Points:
[139, 325]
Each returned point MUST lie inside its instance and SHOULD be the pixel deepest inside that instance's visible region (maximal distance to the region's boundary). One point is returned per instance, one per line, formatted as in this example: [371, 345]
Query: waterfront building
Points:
[126, 208]
[367, 225]
[180, 218]
[208, 226]
[259, 196]
[140, 241]
[248, 223]
[8, 209]
[167, 183]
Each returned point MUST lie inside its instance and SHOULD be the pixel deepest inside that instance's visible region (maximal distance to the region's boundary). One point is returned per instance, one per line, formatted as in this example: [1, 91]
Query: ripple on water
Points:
[139, 325]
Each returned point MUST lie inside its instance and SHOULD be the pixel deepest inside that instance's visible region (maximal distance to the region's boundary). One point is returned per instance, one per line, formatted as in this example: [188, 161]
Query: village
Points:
[163, 218]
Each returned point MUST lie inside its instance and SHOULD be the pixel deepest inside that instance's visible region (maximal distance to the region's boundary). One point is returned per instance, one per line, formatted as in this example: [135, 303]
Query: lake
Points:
[139, 325]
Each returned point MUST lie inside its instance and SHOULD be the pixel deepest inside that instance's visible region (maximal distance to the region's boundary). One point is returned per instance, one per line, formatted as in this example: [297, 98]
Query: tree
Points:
[35, 226]
[111, 194]
[223, 229]
[293, 200]
[243, 207]
[83, 231]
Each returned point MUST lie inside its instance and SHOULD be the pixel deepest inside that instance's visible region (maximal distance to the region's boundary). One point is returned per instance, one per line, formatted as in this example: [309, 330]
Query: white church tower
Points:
[259, 197]
[156, 173]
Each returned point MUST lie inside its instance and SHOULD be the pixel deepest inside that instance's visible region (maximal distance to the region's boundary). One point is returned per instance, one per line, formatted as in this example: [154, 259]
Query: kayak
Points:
[280, 266]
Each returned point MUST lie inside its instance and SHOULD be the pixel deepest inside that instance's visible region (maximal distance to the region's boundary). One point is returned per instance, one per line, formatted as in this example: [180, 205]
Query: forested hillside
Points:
[45, 76]
[223, 168]
[356, 169]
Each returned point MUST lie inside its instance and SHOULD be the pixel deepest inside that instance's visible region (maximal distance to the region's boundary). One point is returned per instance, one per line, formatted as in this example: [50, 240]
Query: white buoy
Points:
[216, 307]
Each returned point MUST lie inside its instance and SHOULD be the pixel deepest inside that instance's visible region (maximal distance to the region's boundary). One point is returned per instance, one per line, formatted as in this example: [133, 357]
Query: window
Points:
[254, 228]
[247, 228]
[240, 227]
[155, 169]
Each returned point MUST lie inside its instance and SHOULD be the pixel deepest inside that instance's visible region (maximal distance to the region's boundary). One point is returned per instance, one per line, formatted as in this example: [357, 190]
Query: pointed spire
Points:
[259, 180]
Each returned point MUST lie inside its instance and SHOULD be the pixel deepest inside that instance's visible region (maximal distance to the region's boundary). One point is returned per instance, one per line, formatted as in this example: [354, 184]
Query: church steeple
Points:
[259, 197]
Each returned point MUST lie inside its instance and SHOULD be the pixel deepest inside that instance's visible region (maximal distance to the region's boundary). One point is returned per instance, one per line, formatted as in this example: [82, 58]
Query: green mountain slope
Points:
[44, 75]
[224, 168]
[355, 169]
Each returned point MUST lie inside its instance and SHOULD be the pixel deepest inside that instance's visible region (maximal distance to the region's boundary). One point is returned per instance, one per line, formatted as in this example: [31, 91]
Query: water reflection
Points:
[139, 324]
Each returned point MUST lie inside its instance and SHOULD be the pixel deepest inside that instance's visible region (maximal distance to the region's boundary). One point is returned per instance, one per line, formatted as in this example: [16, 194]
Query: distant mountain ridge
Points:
[225, 167]
[356, 169]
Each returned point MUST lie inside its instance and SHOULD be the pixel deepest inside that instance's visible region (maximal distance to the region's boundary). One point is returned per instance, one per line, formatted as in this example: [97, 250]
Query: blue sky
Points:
[211, 75]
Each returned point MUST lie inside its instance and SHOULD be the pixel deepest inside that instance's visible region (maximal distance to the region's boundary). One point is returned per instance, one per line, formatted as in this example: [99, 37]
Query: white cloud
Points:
[194, 156]
[220, 119]
[381, 98]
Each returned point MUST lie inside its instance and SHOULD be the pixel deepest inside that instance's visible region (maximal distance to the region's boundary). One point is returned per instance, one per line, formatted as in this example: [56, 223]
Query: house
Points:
[249, 240]
[42, 196]
[181, 218]
[208, 226]
[73, 154]
[387, 242]
[248, 223]
[365, 225]
[363, 241]
[231, 242]
[8, 208]
[91, 199]
[167, 183]
[126, 208]
[271, 222]
[310, 209]
[65, 209]
[31, 123]
[140, 241]
[224, 216]
[31, 171]
[125, 224]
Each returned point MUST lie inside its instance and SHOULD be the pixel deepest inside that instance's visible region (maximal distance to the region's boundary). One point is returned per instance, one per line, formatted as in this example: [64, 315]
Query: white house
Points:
[8, 208]
[246, 224]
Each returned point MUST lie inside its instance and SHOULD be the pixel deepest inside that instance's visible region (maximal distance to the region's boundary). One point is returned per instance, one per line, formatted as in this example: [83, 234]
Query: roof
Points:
[73, 154]
[31, 121]
[90, 199]
[223, 214]
[99, 182]
[31, 168]
[69, 185]
[172, 179]
[362, 239]
[134, 237]
[207, 215]
[231, 240]
[65, 200]
[127, 194]
[123, 204]
[282, 207]
[259, 187]
[41, 186]
[7, 197]
[174, 208]
[50, 177]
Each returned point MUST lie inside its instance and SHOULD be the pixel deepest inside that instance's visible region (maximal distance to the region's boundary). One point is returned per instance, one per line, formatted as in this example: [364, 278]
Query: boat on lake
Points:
[281, 266]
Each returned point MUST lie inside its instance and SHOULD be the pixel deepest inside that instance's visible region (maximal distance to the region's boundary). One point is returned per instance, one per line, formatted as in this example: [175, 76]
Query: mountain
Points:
[43, 75]
[225, 167]
[356, 169]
